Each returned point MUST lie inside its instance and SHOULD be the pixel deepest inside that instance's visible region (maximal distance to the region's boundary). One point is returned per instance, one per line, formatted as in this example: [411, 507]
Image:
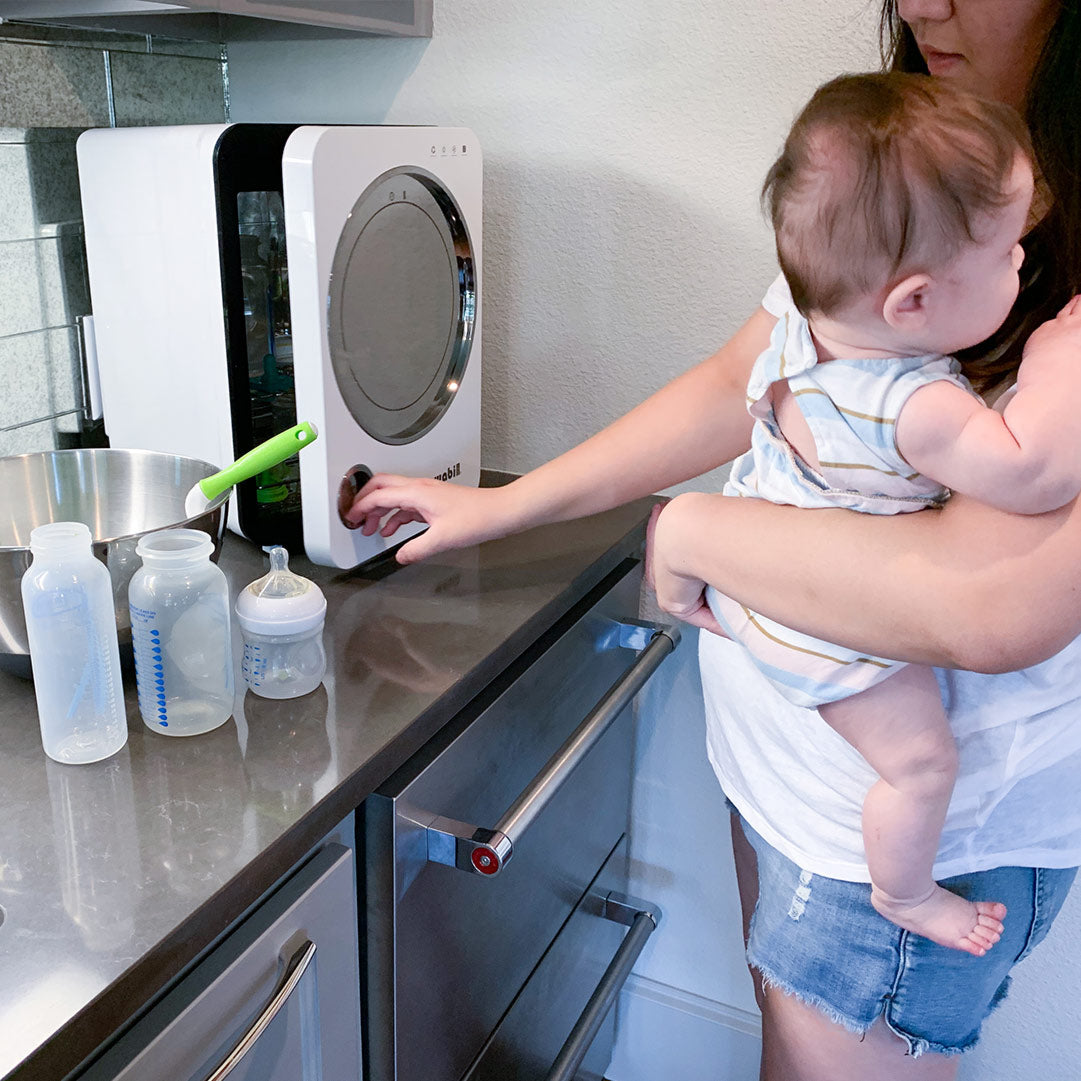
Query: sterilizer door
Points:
[402, 305]
[255, 281]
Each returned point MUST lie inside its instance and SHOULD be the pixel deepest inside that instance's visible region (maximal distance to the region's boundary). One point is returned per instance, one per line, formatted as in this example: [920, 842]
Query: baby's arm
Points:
[1026, 460]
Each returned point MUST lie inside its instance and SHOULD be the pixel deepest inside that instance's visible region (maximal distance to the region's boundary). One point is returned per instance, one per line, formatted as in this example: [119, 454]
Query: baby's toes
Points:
[989, 926]
[970, 945]
[984, 937]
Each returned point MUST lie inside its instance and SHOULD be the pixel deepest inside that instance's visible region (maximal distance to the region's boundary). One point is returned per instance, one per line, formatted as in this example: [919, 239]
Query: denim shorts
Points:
[819, 939]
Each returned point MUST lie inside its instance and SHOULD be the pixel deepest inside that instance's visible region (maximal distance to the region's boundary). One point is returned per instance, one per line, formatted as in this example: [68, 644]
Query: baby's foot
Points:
[945, 918]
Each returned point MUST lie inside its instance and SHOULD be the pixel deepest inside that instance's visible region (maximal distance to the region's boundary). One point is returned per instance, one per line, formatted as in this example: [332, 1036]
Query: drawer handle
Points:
[486, 851]
[643, 920]
[293, 974]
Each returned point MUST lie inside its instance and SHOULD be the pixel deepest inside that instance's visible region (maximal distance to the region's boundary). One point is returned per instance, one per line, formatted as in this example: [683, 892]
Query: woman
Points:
[967, 588]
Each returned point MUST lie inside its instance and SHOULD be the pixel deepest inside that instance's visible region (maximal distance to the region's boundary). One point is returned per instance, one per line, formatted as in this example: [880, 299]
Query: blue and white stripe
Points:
[851, 407]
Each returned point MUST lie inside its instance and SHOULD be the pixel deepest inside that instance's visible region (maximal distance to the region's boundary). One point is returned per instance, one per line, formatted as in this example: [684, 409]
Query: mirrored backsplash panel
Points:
[54, 83]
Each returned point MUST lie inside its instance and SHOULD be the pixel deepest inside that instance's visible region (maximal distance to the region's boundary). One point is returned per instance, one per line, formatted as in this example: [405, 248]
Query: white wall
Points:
[625, 144]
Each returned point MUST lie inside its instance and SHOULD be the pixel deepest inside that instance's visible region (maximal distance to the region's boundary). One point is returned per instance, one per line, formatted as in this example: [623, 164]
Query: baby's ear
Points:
[905, 306]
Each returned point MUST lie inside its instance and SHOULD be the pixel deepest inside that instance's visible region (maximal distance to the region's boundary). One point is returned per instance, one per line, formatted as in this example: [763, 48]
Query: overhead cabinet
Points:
[224, 20]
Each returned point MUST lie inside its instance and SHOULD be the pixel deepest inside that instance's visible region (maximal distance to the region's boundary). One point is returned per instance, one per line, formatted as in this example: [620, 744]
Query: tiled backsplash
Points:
[54, 83]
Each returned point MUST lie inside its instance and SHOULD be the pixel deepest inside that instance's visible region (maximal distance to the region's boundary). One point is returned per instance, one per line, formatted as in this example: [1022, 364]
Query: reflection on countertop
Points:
[114, 876]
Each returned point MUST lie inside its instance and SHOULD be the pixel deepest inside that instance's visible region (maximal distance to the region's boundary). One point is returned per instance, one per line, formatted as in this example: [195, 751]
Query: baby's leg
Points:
[901, 729]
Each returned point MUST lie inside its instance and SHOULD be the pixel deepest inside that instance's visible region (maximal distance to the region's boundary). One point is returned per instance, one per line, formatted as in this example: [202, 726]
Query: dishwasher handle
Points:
[642, 919]
[486, 851]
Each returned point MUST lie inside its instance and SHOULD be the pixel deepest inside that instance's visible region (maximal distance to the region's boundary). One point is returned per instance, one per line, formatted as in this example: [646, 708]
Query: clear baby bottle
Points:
[71, 628]
[179, 603]
[281, 616]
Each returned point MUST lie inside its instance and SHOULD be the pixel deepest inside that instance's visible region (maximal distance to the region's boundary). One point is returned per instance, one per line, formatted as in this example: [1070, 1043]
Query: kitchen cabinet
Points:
[276, 1000]
[225, 20]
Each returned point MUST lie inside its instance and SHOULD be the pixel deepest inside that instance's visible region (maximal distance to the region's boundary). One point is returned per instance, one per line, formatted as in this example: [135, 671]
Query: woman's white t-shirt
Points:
[1017, 800]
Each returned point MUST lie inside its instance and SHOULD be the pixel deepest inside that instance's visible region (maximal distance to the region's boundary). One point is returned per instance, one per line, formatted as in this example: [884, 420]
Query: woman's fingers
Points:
[677, 595]
[418, 549]
[706, 620]
[651, 527]
[457, 515]
[382, 494]
[398, 519]
[698, 615]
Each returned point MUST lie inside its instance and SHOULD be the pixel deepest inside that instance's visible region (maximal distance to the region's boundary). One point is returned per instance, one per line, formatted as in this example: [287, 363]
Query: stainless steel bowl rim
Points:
[180, 523]
[184, 524]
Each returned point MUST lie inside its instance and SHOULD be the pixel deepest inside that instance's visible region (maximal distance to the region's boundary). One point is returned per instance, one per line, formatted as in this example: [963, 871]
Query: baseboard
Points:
[665, 1033]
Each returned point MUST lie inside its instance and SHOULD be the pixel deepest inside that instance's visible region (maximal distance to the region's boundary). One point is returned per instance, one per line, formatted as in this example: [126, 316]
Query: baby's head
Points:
[902, 198]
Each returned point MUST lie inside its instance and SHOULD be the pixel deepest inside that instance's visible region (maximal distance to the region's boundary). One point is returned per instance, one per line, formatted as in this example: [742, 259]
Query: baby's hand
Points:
[1058, 339]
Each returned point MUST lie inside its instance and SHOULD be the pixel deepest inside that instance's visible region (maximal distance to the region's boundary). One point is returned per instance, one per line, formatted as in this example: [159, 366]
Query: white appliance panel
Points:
[155, 280]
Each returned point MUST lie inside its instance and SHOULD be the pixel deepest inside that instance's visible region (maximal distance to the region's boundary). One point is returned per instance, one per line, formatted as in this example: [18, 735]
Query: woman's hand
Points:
[680, 595]
[967, 586]
[457, 516]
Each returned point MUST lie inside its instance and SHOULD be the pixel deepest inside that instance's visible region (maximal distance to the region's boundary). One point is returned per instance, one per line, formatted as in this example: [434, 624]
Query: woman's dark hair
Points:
[1052, 270]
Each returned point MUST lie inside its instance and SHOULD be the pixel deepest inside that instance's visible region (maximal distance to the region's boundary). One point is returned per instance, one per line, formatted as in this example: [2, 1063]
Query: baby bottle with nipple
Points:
[281, 616]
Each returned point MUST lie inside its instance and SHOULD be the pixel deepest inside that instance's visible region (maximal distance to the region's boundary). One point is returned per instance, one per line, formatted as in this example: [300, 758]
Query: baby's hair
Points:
[883, 175]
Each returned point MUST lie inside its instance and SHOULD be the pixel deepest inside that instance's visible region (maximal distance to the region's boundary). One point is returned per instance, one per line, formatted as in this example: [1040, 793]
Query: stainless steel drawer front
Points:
[561, 1024]
[449, 950]
[291, 977]
[261, 1006]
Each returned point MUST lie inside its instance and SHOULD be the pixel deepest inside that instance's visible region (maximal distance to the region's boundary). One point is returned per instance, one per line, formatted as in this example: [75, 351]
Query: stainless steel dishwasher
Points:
[497, 931]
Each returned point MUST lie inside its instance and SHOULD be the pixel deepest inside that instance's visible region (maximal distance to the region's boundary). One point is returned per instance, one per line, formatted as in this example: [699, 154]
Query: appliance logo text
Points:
[451, 471]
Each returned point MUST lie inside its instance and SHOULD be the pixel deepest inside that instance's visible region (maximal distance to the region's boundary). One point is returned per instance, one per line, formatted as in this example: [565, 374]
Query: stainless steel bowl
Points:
[120, 494]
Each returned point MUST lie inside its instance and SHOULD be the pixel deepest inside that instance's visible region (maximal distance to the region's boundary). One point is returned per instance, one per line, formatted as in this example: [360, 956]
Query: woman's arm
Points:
[963, 587]
[693, 424]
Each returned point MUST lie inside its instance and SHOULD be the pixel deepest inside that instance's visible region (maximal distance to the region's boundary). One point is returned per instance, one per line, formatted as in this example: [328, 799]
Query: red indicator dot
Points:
[485, 861]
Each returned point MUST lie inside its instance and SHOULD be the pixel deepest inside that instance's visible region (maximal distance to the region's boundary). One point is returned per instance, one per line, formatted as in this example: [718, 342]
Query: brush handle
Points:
[268, 454]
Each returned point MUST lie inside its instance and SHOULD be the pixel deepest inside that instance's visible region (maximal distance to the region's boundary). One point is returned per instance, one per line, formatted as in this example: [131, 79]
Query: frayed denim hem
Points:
[917, 1045]
[770, 979]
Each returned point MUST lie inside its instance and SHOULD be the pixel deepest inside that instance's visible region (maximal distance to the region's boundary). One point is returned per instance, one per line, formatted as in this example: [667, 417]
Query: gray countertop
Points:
[115, 876]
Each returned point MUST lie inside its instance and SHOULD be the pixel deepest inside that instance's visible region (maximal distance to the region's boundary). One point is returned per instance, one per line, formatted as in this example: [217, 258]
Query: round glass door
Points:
[402, 305]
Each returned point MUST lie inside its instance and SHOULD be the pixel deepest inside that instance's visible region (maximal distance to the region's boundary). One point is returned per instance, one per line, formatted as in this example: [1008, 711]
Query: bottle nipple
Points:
[279, 582]
[280, 602]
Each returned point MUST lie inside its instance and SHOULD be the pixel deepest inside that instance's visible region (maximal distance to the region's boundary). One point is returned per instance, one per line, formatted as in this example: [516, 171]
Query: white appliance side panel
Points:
[155, 285]
[325, 170]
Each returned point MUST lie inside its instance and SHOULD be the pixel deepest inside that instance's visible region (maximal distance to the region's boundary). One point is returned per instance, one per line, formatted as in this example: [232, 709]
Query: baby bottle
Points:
[71, 628]
[179, 603]
[281, 616]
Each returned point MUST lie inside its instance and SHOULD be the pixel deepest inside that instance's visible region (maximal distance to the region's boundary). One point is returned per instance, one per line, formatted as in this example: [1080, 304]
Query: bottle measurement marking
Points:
[147, 640]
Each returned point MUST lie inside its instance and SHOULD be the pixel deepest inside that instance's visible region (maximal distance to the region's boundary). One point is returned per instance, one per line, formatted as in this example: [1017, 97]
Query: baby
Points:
[898, 205]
